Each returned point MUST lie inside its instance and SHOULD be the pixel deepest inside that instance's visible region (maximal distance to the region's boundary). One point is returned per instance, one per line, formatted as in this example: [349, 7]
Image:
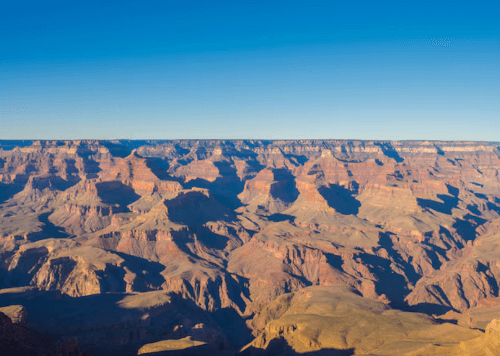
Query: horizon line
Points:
[241, 139]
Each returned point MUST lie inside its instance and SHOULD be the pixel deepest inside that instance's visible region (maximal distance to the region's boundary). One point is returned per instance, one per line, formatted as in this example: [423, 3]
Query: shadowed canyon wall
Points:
[237, 230]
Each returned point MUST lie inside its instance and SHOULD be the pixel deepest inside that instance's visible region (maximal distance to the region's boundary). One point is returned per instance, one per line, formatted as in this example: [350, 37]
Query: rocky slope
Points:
[337, 319]
[232, 226]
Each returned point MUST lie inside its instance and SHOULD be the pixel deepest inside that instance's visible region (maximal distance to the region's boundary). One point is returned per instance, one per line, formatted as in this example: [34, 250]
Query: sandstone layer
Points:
[218, 231]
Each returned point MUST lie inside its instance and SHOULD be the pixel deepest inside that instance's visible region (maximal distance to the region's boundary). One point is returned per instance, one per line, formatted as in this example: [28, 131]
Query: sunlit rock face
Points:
[212, 233]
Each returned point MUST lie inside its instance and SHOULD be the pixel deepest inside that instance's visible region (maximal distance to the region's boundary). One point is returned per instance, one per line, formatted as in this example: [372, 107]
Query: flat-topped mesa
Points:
[204, 169]
[148, 187]
[394, 197]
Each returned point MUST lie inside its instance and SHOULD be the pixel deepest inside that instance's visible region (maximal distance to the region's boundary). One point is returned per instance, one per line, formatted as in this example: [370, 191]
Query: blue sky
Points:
[250, 69]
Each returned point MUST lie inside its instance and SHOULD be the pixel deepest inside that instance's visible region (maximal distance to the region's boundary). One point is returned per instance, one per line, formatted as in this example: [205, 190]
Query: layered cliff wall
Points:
[233, 225]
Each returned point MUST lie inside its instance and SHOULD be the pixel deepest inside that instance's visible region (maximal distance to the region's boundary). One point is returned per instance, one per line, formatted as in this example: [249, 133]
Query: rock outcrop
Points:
[232, 226]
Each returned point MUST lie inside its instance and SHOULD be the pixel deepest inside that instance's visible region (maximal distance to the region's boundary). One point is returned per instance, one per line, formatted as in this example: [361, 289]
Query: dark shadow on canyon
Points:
[447, 202]
[54, 182]
[49, 230]
[117, 149]
[195, 209]
[297, 160]
[389, 151]
[148, 273]
[234, 326]
[277, 217]
[90, 166]
[335, 261]
[388, 282]
[284, 187]
[115, 192]
[7, 191]
[467, 226]
[159, 167]
[98, 321]
[385, 241]
[340, 199]
[224, 188]
[9, 145]
[430, 309]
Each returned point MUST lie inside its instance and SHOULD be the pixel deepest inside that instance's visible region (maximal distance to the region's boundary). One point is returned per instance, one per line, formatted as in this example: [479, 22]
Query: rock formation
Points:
[235, 226]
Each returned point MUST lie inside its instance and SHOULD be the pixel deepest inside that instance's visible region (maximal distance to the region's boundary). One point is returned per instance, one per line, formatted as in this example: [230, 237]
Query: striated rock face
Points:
[231, 226]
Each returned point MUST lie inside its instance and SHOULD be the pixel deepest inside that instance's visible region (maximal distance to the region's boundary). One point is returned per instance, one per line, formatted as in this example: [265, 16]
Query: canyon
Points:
[251, 247]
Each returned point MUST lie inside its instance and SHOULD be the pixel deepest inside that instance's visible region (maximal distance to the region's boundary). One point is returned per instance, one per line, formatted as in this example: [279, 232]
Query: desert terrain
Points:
[248, 247]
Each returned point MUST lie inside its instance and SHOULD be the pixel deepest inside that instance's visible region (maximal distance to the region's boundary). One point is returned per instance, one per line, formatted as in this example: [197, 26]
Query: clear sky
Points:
[250, 69]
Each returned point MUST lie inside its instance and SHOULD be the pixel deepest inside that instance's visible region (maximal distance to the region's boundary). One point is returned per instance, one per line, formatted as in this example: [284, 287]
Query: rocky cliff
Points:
[234, 225]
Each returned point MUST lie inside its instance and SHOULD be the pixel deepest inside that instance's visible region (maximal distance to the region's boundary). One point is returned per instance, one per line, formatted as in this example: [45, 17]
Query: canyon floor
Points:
[248, 247]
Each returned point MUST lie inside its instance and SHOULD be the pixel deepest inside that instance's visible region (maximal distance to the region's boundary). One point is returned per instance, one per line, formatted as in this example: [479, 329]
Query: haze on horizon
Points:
[265, 70]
